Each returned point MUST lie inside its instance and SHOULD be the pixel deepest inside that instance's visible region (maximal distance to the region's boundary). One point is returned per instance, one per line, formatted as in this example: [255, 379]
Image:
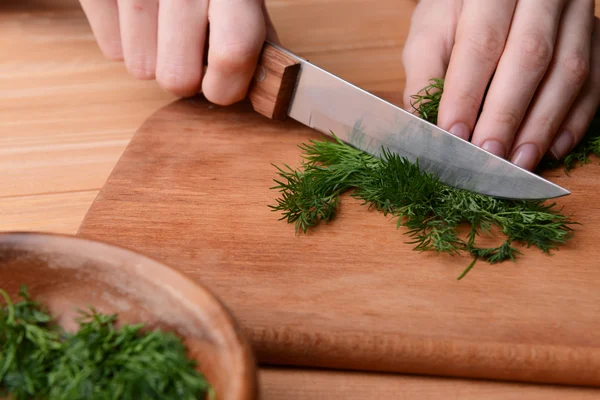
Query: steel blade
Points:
[328, 104]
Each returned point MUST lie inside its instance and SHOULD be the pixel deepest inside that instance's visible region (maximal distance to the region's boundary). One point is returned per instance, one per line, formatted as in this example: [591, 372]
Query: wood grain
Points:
[66, 113]
[64, 105]
[299, 384]
[271, 90]
[58, 212]
[68, 275]
[45, 41]
[192, 189]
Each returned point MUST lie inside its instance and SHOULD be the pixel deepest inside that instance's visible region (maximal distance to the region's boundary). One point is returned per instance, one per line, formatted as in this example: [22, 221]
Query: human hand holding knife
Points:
[170, 40]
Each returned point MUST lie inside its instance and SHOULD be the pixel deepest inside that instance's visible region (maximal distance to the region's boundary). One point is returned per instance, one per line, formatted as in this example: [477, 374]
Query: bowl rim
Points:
[247, 370]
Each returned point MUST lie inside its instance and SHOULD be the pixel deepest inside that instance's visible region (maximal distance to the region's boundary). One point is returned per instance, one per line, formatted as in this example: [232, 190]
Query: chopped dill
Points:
[431, 211]
[39, 361]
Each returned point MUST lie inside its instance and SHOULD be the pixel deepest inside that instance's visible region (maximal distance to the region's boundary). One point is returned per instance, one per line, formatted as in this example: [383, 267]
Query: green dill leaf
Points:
[28, 346]
[38, 360]
[466, 271]
[431, 211]
[427, 101]
[100, 359]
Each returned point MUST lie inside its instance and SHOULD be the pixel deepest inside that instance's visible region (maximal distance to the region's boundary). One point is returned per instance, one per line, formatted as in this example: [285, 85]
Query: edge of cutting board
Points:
[305, 345]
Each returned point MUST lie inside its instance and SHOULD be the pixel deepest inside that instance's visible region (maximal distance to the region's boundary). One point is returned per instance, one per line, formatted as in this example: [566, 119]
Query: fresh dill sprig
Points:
[432, 212]
[99, 361]
[127, 363]
[427, 101]
[28, 347]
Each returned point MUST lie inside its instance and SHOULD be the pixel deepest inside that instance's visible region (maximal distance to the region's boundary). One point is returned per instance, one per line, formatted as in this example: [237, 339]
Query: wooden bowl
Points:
[67, 274]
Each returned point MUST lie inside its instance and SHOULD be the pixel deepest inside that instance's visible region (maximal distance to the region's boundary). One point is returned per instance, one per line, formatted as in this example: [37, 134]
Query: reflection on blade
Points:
[328, 104]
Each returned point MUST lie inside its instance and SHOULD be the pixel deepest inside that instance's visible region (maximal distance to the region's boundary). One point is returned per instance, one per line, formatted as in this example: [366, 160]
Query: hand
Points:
[543, 61]
[167, 43]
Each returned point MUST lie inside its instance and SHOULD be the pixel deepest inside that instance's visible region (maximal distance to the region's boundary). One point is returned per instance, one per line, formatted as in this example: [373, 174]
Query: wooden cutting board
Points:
[193, 188]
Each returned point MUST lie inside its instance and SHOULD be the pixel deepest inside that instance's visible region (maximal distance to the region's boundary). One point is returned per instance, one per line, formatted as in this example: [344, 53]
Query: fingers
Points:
[428, 46]
[103, 17]
[480, 38]
[138, 21]
[168, 43]
[575, 125]
[182, 27]
[237, 33]
[559, 88]
[523, 64]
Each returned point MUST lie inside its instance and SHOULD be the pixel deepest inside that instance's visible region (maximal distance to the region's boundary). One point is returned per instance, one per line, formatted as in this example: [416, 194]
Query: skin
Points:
[540, 58]
[168, 43]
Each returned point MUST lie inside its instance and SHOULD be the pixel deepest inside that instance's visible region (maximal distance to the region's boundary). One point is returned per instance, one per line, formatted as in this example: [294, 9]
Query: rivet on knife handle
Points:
[271, 90]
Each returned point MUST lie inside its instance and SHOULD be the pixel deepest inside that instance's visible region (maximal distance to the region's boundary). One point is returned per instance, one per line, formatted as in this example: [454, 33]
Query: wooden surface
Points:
[293, 384]
[66, 115]
[69, 274]
[192, 190]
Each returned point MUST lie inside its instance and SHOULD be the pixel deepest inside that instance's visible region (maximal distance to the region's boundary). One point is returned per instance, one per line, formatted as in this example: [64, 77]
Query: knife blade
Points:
[286, 85]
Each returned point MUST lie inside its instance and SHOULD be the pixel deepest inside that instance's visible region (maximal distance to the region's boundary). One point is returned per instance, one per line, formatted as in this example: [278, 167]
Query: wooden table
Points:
[66, 115]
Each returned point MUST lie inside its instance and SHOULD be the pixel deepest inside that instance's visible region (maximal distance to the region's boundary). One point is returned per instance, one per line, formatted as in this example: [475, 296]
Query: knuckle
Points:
[576, 67]
[178, 79]
[468, 100]
[508, 117]
[234, 57]
[487, 43]
[141, 69]
[536, 52]
[138, 6]
[141, 73]
[547, 124]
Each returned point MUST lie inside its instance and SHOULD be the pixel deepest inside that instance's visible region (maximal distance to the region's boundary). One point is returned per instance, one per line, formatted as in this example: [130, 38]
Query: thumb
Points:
[427, 50]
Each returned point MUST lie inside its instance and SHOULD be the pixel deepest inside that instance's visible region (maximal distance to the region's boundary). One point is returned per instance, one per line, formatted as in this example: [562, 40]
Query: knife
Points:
[286, 85]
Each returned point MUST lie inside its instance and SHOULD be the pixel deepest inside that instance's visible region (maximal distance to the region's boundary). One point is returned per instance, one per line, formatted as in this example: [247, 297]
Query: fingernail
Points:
[494, 147]
[562, 144]
[461, 130]
[526, 156]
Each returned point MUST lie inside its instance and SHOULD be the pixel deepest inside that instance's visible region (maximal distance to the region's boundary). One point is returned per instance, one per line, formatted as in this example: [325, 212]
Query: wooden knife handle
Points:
[274, 80]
